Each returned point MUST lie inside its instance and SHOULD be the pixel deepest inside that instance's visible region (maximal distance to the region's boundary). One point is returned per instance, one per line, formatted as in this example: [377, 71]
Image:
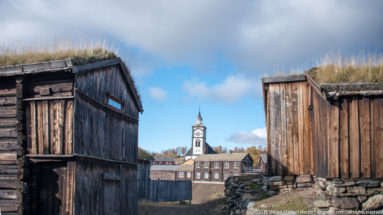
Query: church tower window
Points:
[198, 143]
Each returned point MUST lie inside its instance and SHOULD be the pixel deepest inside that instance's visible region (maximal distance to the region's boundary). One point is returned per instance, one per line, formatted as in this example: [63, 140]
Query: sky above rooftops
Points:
[209, 54]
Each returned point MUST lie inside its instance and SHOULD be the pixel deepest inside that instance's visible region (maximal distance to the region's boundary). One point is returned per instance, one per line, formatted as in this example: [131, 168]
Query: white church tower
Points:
[199, 137]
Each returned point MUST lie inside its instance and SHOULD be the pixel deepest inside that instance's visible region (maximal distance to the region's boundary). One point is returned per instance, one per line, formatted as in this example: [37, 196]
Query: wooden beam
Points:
[286, 78]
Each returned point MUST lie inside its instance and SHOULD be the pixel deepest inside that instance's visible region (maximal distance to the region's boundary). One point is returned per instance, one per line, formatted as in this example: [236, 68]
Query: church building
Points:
[199, 144]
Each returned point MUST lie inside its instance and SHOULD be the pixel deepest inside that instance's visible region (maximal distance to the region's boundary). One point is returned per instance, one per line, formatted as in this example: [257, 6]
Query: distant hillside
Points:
[144, 155]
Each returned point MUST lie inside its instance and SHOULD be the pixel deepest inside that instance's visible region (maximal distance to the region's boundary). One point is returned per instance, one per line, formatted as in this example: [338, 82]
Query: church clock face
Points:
[198, 134]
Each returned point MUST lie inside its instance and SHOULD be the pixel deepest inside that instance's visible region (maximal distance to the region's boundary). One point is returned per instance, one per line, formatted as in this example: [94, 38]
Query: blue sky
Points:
[208, 54]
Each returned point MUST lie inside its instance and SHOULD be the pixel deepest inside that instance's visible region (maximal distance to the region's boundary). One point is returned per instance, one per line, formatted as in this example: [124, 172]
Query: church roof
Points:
[222, 157]
[210, 150]
[163, 167]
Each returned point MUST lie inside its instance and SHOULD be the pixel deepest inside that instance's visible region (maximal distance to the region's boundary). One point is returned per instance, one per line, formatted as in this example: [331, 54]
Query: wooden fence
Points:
[169, 191]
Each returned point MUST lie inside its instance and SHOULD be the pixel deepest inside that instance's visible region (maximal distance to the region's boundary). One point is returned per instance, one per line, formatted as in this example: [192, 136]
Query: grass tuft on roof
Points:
[339, 69]
[78, 56]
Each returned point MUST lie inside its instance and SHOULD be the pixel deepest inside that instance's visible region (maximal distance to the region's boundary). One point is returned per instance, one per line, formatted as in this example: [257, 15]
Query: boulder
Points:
[357, 190]
[373, 203]
[368, 183]
[271, 193]
[374, 191]
[288, 178]
[277, 183]
[322, 204]
[275, 178]
[251, 204]
[303, 179]
[347, 203]
[256, 180]
[303, 185]
[333, 190]
[321, 183]
[362, 198]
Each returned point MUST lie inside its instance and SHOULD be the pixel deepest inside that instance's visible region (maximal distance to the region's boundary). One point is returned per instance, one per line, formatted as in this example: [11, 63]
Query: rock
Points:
[381, 184]
[332, 210]
[368, 183]
[357, 190]
[362, 198]
[321, 183]
[254, 211]
[303, 179]
[238, 212]
[264, 206]
[374, 191]
[349, 183]
[285, 190]
[251, 205]
[322, 204]
[275, 178]
[288, 178]
[256, 180]
[373, 203]
[303, 185]
[277, 183]
[332, 190]
[243, 212]
[271, 193]
[345, 203]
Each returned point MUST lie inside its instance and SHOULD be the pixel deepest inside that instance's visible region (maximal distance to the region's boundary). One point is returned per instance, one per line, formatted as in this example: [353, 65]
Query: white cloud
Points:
[157, 94]
[256, 36]
[255, 137]
[230, 90]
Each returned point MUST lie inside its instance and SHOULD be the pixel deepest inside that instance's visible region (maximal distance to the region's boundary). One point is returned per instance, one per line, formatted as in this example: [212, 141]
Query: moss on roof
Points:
[78, 56]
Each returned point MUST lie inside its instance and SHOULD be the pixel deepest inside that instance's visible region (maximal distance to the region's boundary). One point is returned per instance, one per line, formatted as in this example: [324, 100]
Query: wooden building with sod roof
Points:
[68, 138]
[328, 130]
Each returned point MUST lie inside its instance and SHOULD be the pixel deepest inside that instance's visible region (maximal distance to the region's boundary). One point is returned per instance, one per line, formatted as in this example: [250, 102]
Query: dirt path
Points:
[213, 207]
[207, 199]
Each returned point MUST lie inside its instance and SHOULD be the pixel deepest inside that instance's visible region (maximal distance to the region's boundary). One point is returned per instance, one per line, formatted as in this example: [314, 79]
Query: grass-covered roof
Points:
[349, 70]
[78, 56]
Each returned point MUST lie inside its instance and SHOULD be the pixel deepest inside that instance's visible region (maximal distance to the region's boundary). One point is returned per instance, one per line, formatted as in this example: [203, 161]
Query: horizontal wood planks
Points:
[9, 147]
[50, 127]
[288, 121]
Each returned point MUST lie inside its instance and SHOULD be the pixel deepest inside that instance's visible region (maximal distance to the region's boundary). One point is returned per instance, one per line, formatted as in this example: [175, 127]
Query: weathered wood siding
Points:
[50, 127]
[99, 129]
[308, 134]
[52, 187]
[170, 191]
[143, 179]
[10, 196]
[289, 129]
[105, 188]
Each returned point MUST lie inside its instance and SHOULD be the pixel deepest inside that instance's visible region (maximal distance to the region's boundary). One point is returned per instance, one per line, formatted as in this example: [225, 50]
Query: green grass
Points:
[339, 69]
[78, 56]
[295, 204]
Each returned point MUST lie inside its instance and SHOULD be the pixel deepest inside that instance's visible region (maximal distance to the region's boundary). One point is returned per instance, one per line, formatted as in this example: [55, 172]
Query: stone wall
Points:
[337, 194]
[275, 184]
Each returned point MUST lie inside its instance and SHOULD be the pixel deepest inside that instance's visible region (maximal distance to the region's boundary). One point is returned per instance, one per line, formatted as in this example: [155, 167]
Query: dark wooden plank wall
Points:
[100, 131]
[99, 83]
[50, 126]
[169, 191]
[9, 148]
[143, 179]
[105, 188]
[52, 187]
[289, 133]
[309, 135]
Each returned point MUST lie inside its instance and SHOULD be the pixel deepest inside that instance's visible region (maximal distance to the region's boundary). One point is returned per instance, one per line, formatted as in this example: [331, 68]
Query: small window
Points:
[235, 173]
[206, 164]
[188, 174]
[198, 175]
[198, 165]
[198, 143]
[206, 175]
[216, 165]
[226, 175]
[216, 175]
[226, 165]
[115, 103]
[235, 165]
[181, 174]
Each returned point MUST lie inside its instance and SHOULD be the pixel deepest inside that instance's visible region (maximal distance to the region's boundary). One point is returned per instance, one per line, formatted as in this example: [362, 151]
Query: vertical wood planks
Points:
[344, 139]
[354, 139]
[45, 127]
[33, 125]
[69, 127]
[40, 130]
[377, 117]
[365, 139]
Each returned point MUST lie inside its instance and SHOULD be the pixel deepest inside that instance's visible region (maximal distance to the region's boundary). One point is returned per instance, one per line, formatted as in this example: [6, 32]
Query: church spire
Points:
[199, 118]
